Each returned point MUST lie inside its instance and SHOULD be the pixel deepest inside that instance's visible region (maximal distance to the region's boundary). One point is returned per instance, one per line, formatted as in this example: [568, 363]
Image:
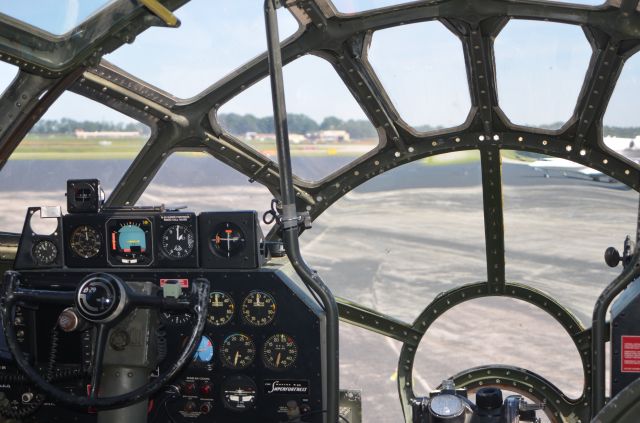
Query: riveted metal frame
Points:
[49, 65]
[563, 405]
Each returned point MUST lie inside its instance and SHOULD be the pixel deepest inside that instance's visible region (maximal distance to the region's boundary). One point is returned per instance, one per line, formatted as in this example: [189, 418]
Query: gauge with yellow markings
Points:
[86, 241]
[280, 352]
[259, 308]
[238, 351]
[221, 308]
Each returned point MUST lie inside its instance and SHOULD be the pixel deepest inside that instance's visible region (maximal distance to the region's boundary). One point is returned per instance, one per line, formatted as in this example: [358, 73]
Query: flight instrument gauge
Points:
[130, 242]
[227, 240]
[238, 351]
[239, 393]
[85, 241]
[259, 308]
[280, 352]
[221, 308]
[204, 353]
[178, 241]
[45, 252]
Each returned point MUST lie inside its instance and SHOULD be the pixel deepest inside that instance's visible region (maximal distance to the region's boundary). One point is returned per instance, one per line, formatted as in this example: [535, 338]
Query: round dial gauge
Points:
[178, 241]
[221, 308]
[85, 241]
[238, 351]
[239, 393]
[204, 353]
[45, 252]
[446, 405]
[227, 240]
[259, 308]
[280, 352]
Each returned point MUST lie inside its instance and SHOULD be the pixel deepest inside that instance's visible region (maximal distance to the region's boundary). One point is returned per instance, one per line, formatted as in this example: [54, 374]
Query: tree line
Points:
[241, 124]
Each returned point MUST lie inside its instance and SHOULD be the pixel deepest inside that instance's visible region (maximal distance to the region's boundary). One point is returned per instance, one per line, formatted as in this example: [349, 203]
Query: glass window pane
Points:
[327, 127]
[422, 68]
[211, 42]
[560, 217]
[621, 122]
[54, 16]
[203, 183]
[62, 146]
[540, 69]
[353, 6]
[372, 364]
[401, 238]
[494, 331]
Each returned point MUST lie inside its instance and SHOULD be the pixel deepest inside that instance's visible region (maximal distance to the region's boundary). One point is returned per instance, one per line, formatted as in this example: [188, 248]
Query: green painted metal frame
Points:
[52, 64]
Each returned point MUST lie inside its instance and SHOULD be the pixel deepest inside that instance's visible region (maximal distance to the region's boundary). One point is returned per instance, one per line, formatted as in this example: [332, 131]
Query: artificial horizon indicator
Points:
[204, 353]
[130, 241]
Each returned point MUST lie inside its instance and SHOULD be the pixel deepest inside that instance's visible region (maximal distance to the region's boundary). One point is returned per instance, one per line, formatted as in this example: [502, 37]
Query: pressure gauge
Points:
[447, 407]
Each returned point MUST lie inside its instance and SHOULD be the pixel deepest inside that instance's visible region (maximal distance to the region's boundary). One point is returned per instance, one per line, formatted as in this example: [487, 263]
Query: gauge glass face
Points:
[45, 252]
[176, 318]
[85, 241]
[259, 308]
[204, 353]
[227, 240]
[178, 241]
[221, 308]
[238, 351]
[446, 405]
[130, 241]
[280, 352]
[239, 393]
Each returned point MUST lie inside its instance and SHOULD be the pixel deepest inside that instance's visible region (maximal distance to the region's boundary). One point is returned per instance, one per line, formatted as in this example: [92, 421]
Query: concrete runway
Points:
[396, 242]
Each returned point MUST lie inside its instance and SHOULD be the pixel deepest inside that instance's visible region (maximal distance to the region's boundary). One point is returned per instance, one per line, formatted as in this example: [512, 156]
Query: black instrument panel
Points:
[212, 240]
[261, 347]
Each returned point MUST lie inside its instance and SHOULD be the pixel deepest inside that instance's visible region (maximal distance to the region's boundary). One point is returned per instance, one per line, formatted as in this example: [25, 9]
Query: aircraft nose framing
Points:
[351, 213]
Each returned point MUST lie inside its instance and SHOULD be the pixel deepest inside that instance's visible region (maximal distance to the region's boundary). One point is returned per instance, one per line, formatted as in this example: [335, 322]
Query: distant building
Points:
[82, 134]
[256, 136]
[333, 135]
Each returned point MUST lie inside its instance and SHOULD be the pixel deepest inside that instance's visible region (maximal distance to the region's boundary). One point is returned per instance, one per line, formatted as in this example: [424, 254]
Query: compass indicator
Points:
[227, 240]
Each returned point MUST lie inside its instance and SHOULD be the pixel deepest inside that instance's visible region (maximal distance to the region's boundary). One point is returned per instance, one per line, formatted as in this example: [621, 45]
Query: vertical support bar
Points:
[493, 217]
[290, 215]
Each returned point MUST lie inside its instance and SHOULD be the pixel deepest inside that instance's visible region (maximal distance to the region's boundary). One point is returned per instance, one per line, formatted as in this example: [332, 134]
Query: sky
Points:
[540, 66]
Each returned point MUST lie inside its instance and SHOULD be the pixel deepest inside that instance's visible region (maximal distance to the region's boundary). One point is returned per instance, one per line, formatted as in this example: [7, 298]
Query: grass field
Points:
[61, 147]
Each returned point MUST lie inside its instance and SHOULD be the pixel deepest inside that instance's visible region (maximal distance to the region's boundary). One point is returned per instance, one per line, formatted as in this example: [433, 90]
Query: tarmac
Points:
[399, 240]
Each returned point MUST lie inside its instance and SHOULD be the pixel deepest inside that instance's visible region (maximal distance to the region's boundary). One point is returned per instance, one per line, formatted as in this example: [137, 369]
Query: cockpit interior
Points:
[319, 211]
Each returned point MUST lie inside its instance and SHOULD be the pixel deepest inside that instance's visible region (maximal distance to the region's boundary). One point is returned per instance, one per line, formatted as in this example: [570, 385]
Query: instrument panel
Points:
[128, 239]
[261, 347]
[251, 360]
